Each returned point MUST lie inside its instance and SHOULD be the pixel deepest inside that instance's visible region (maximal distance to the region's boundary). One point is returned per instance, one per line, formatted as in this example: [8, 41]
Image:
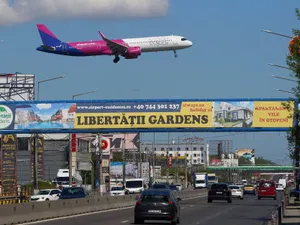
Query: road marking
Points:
[191, 205]
[182, 207]
[125, 221]
[92, 213]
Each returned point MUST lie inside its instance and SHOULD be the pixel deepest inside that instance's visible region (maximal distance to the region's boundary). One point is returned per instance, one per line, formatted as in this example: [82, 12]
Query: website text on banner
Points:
[146, 114]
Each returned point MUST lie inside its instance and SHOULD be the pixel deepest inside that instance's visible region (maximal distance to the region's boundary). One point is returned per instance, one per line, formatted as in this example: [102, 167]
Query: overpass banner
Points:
[146, 114]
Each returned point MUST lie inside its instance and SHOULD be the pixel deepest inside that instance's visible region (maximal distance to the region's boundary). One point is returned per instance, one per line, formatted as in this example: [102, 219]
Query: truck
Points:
[282, 182]
[200, 180]
[212, 178]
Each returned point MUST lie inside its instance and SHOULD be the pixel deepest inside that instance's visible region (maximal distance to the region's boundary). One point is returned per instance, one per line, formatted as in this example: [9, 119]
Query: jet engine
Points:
[132, 53]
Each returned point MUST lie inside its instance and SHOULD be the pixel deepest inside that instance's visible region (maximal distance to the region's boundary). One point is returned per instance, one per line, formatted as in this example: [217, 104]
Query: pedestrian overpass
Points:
[252, 168]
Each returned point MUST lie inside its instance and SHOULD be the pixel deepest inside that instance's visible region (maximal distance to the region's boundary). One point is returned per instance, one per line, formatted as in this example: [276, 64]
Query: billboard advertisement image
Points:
[146, 114]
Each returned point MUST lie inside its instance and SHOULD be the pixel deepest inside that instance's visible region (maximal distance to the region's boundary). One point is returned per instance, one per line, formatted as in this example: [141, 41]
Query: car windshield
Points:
[234, 187]
[279, 185]
[43, 192]
[159, 186]
[267, 184]
[117, 188]
[200, 181]
[218, 186]
[72, 191]
[134, 184]
[155, 198]
[62, 179]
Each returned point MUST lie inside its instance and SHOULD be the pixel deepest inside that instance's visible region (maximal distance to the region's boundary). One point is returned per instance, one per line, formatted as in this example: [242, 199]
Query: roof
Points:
[72, 108]
[157, 191]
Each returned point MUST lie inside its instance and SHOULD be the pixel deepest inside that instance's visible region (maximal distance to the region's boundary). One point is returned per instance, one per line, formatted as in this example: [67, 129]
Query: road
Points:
[248, 211]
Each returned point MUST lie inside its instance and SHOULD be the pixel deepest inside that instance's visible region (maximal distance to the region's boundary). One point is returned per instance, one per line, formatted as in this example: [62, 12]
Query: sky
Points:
[229, 57]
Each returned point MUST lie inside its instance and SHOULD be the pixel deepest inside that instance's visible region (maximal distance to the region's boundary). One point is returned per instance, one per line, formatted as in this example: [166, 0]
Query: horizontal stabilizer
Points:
[49, 48]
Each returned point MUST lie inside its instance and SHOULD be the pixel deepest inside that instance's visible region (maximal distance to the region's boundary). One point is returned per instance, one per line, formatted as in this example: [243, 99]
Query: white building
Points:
[195, 153]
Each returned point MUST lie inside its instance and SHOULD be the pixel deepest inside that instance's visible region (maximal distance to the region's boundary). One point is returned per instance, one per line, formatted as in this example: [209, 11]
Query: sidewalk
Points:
[291, 215]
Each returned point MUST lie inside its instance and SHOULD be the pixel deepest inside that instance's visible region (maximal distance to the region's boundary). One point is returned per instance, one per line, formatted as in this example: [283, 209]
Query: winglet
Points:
[102, 35]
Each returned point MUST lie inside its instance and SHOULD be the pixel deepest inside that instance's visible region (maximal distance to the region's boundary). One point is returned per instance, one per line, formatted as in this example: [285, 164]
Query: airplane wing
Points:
[114, 46]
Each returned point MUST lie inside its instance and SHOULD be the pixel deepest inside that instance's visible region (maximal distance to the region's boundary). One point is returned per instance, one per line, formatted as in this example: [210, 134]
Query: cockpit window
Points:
[183, 39]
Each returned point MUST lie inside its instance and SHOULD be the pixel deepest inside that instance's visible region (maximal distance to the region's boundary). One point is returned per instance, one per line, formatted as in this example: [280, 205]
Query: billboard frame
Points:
[138, 130]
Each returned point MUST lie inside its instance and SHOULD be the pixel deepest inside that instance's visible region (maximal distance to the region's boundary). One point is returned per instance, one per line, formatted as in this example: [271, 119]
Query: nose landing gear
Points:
[116, 59]
[175, 54]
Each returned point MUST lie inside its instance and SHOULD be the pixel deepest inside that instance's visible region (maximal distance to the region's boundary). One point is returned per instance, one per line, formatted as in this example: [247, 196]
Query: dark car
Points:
[173, 187]
[220, 191]
[73, 192]
[160, 186]
[157, 204]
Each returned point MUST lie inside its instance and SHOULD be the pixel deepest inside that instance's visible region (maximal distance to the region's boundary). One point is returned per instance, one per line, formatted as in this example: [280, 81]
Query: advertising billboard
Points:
[146, 114]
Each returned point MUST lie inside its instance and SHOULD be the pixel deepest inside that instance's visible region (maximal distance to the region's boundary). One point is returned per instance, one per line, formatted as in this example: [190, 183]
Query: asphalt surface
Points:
[248, 211]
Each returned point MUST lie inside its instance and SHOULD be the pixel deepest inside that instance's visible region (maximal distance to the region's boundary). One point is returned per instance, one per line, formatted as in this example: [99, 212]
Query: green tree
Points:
[293, 63]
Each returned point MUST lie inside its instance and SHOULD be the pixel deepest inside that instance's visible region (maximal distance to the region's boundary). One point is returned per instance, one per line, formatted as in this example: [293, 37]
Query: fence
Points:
[34, 211]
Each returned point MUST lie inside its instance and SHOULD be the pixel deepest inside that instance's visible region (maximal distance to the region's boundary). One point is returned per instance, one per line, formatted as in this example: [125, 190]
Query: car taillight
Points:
[171, 203]
[138, 202]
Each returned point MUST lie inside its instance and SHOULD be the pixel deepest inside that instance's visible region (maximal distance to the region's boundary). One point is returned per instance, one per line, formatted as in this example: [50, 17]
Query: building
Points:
[195, 153]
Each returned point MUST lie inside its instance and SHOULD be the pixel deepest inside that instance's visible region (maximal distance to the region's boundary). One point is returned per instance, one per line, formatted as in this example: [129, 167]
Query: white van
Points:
[62, 178]
[136, 185]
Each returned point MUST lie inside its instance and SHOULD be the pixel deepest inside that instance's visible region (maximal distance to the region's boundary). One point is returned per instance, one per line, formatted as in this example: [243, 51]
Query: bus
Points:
[212, 178]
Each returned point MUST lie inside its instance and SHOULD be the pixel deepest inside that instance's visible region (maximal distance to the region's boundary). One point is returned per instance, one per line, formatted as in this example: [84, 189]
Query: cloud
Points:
[43, 106]
[21, 11]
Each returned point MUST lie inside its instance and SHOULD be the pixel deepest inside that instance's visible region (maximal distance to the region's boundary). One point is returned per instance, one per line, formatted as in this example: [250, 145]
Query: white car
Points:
[279, 187]
[117, 191]
[237, 191]
[179, 187]
[46, 195]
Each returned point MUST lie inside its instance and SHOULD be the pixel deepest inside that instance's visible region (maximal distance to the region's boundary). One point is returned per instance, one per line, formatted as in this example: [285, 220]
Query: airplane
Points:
[130, 48]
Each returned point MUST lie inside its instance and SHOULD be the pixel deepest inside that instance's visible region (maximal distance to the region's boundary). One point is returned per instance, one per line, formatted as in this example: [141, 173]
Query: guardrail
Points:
[34, 211]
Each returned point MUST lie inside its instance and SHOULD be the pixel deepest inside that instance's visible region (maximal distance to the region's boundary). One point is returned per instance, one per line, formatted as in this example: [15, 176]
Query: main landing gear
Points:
[175, 54]
[116, 59]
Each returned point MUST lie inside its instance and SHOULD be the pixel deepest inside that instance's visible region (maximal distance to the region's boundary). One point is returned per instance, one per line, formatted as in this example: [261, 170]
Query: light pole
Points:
[83, 93]
[43, 81]
[283, 67]
[70, 143]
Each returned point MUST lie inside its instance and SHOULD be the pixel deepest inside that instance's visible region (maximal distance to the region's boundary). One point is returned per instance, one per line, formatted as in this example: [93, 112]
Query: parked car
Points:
[73, 192]
[160, 186]
[46, 195]
[157, 204]
[237, 191]
[267, 189]
[179, 187]
[219, 191]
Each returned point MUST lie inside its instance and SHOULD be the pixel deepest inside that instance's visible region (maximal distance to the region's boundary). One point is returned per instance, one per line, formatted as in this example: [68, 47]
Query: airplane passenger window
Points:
[183, 39]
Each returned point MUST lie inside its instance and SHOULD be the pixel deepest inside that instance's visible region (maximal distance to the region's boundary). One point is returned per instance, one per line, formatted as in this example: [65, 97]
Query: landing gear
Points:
[116, 59]
[175, 54]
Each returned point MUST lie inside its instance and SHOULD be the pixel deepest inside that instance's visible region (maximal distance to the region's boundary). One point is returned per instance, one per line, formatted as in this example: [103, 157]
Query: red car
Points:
[266, 189]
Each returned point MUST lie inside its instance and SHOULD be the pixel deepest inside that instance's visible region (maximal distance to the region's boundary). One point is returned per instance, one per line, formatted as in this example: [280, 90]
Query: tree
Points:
[293, 63]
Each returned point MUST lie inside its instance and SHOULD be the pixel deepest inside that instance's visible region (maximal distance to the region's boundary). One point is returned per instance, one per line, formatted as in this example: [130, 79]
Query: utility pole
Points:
[141, 169]
[99, 163]
[168, 157]
[178, 144]
[36, 174]
[70, 161]
[123, 160]
[297, 151]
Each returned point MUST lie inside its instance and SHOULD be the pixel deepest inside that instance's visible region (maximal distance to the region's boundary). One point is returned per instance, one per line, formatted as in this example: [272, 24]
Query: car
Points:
[279, 187]
[237, 191]
[116, 191]
[249, 189]
[173, 187]
[46, 195]
[73, 192]
[219, 191]
[266, 189]
[157, 204]
[160, 186]
[179, 187]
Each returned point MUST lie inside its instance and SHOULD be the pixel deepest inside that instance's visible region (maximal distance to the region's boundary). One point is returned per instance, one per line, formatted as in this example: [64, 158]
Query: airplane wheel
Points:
[116, 60]
[176, 56]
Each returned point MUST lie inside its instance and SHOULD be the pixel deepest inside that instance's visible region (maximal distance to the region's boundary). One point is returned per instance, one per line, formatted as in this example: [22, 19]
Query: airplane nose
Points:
[190, 43]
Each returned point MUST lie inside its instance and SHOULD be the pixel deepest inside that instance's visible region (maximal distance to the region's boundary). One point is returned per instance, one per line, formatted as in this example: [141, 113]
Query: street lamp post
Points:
[284, 91]
[283, 78]
[43, 81]
[70, 144]
[35, 166]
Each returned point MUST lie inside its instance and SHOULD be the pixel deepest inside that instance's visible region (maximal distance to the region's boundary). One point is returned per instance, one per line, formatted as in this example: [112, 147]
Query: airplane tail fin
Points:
[48, 38]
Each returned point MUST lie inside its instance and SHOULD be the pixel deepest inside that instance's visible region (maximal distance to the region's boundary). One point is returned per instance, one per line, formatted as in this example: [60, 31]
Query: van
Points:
[135, 185]
[266, 189]
[62, 178]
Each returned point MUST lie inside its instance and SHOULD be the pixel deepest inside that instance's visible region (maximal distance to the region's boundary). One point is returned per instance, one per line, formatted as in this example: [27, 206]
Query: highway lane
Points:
[249, 211]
